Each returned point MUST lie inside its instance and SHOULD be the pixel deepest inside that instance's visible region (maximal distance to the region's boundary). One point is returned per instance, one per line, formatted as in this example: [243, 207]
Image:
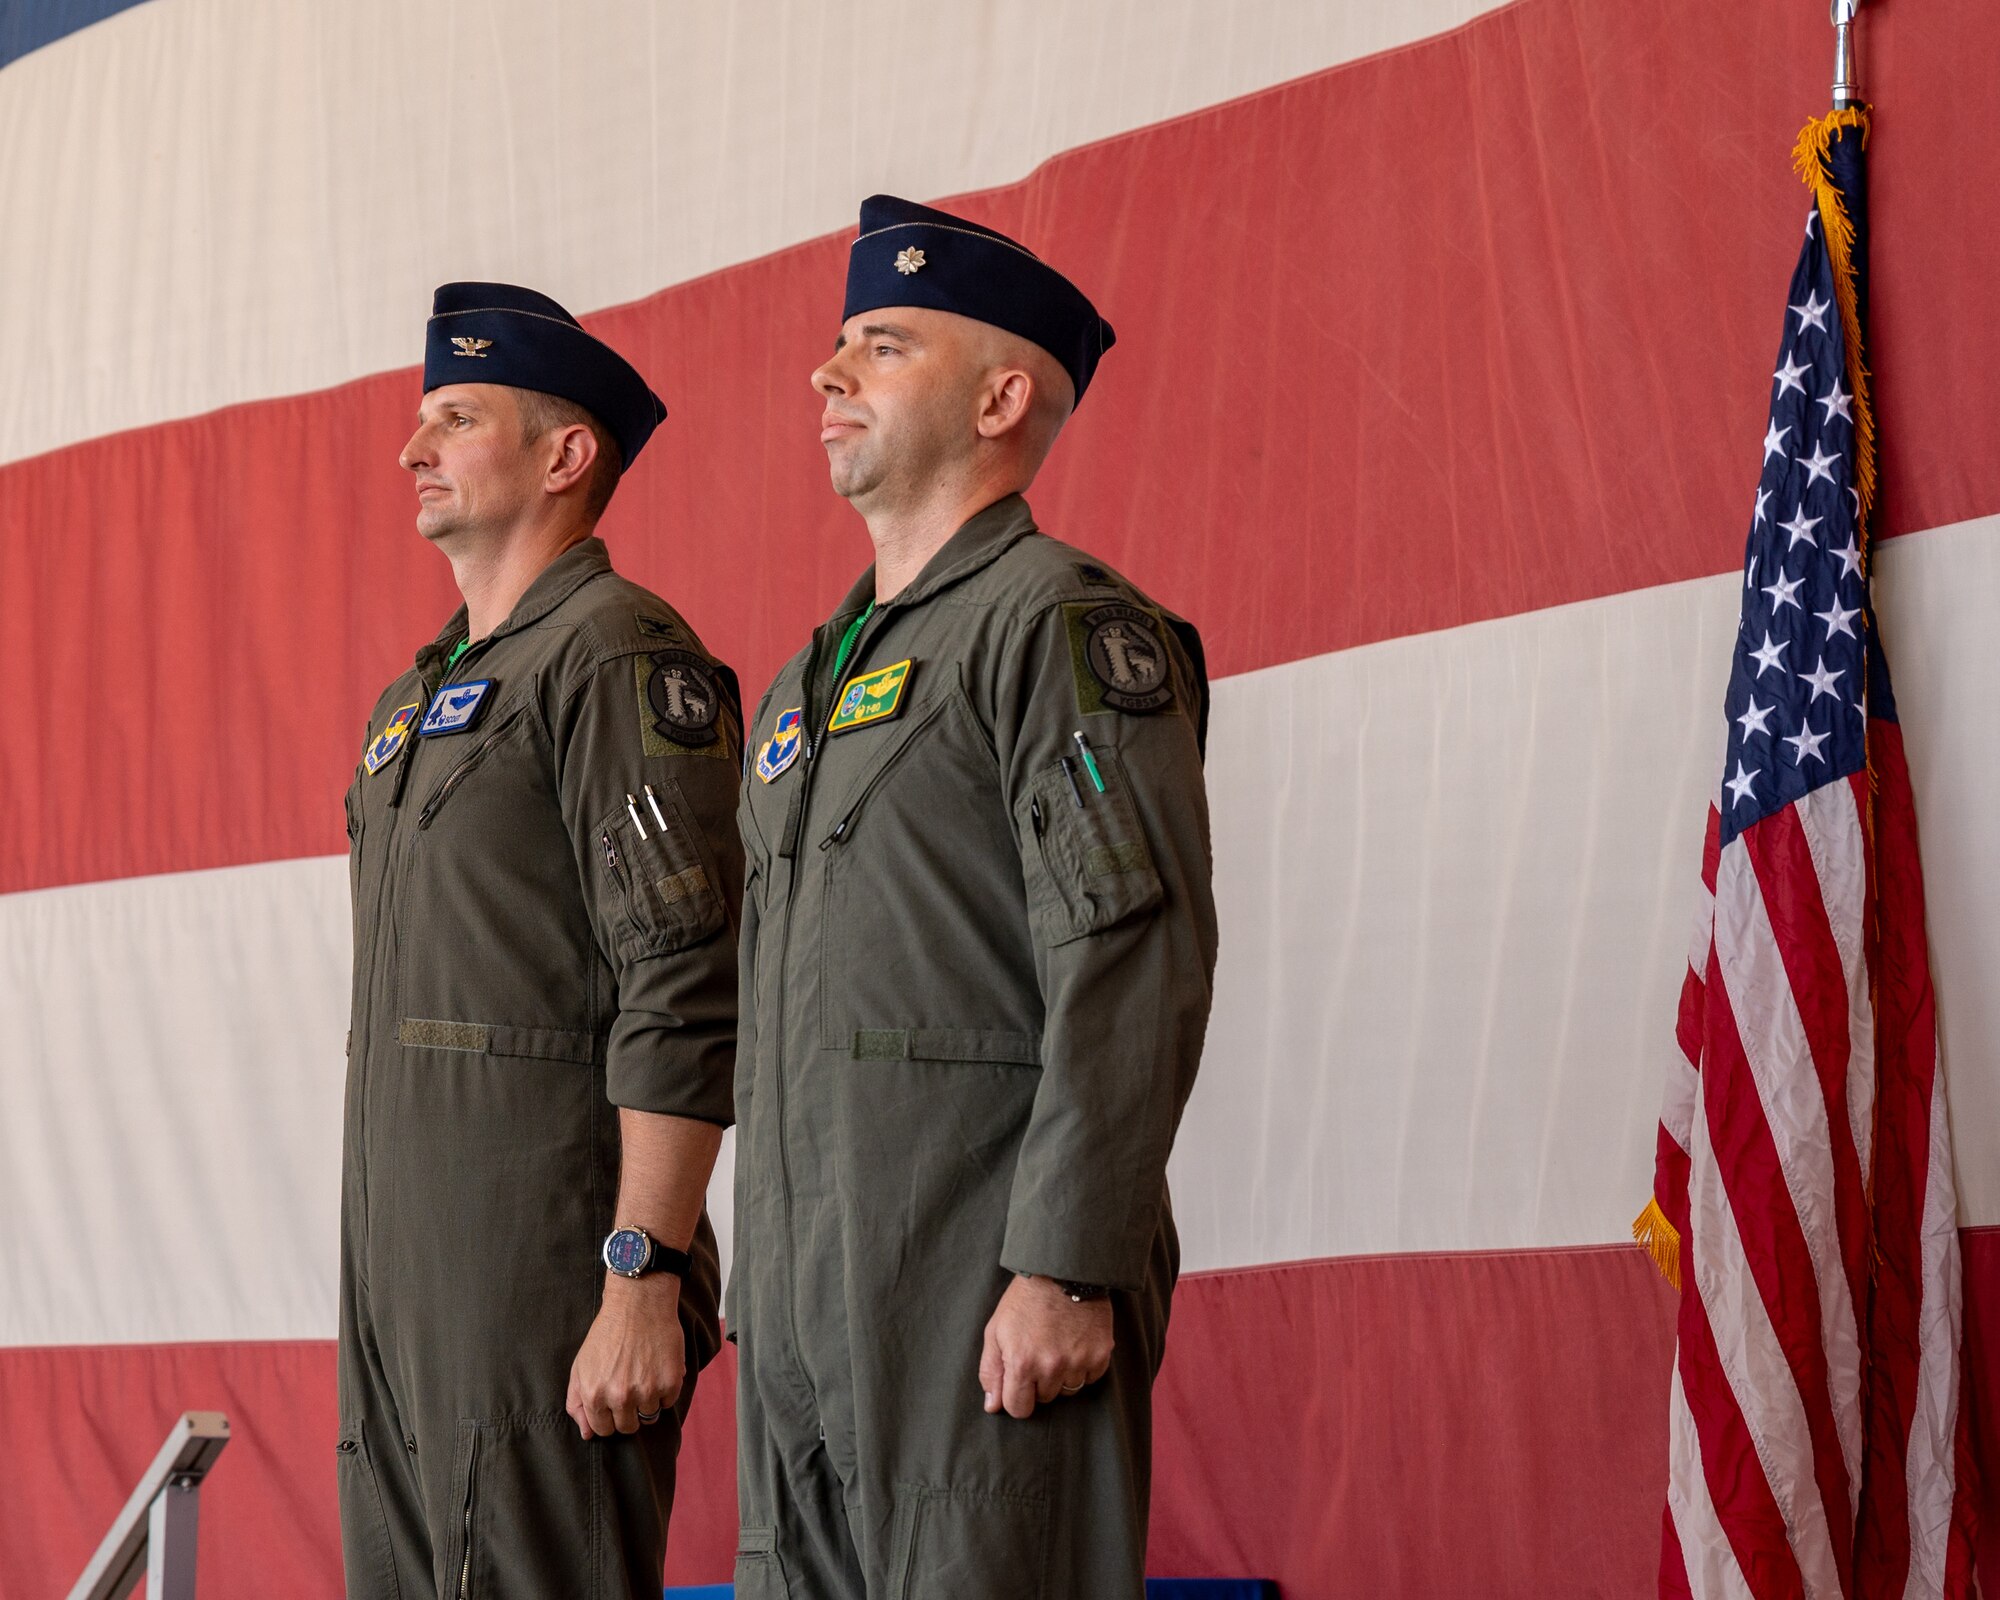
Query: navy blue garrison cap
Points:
[911, 255]
[499, 333]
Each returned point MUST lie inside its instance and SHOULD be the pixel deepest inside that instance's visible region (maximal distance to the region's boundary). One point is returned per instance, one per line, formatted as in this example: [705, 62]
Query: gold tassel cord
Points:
[1810, 158]
[1661, 1240]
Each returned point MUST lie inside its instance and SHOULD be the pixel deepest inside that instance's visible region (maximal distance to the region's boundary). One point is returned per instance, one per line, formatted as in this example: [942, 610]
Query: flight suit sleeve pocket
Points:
[659, 887]
[1088, 865]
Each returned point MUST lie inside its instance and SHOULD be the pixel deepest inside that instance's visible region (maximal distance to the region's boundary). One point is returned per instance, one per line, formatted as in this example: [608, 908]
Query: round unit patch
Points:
[685, 698]
[1123, 647]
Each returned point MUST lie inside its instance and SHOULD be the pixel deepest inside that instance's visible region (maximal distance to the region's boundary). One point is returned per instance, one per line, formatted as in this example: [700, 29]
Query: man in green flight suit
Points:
[544, 855]
[978, 940]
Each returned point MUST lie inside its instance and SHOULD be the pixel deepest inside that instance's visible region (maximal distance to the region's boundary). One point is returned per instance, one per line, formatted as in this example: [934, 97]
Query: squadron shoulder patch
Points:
[394, 735]
[454, 708]
[1119, 658]
[680, 703]
[780, 750]
[873, 697]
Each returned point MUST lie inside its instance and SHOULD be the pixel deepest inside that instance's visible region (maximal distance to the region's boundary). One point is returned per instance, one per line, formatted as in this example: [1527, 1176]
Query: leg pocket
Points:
[365, 1551]
[969, 1546]
[526, 1511]
[760, 1573]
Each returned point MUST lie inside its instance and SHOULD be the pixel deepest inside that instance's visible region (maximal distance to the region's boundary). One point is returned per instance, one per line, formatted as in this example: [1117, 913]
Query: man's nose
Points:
[827, 379]
[415, 454]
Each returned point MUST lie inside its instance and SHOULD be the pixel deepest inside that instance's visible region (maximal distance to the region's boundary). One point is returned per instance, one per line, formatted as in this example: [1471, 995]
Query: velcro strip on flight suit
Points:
[678, 886]
[1102, 860]
[947, 1044]
[493, 1039]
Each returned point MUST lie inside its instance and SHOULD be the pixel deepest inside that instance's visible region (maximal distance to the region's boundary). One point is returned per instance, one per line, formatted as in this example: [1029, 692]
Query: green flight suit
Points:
[975, 986]
[529, 956]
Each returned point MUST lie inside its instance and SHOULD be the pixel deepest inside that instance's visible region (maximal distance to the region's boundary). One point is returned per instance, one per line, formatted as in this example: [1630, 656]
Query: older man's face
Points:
[472, 466]
[901, 397]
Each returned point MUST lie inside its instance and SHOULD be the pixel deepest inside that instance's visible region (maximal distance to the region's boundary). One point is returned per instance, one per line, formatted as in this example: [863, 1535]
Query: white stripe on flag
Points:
[1706, 1554]
[1760, 1378]
[1834, 833]
[1931, 1468]
[1774, 1041]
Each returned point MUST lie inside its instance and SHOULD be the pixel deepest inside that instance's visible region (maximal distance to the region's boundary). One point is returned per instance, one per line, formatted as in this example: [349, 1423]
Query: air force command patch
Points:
[1120, 658]
[383, 747]
[454, 708]
[872, 697]
[780, 750]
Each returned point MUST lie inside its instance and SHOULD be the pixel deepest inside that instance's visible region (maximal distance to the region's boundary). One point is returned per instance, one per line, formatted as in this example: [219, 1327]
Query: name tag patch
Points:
[454, 708]
[873, 697]
[780, 750]
[383, 747]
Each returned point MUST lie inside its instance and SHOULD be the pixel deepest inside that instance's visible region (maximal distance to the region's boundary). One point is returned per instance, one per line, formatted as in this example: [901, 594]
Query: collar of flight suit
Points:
[980, 541]
[560, 579]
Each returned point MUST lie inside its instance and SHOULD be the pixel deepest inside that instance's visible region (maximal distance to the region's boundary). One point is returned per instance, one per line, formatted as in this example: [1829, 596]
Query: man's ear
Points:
[572, 454]
[1010, 396]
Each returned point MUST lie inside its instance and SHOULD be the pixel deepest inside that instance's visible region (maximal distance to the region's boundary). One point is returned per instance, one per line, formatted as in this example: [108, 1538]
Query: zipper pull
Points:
[834, 838]
[1035, 814]
[610, 850]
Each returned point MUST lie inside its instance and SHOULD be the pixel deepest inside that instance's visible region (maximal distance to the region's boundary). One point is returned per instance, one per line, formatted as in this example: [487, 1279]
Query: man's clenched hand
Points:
[1040, 1344]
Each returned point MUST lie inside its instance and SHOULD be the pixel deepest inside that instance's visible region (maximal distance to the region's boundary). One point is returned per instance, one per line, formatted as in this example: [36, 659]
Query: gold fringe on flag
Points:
[1809, 159]
[1661, 1240]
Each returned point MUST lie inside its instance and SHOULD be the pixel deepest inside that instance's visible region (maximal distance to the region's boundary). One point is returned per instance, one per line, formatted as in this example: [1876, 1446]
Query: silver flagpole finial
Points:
[1844, 92]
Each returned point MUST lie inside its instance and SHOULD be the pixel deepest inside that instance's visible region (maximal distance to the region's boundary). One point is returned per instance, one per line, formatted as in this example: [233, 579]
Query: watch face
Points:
[626, 1250]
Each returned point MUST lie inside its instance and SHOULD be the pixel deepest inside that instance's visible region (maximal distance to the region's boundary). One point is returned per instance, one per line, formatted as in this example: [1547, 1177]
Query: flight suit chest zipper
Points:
[881, 774]
[457, 775]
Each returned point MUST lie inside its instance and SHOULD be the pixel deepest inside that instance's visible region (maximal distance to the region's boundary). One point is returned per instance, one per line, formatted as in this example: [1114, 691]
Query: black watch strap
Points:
[1081, 1292]
[667, 1259]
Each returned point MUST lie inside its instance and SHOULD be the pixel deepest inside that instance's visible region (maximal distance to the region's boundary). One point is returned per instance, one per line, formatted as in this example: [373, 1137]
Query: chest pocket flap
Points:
[659, 890]
[1090, 868]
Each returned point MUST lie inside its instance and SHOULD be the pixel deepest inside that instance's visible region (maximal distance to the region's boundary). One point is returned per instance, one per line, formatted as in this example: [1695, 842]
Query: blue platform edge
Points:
[1156, 1589]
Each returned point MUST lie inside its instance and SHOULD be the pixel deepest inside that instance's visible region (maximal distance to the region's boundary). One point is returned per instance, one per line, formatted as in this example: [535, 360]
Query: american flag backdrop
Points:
[1804, 1196]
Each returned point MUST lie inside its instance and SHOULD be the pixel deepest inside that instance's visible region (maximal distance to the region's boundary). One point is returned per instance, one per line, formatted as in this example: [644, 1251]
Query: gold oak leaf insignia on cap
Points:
[472, 347]
[909, 261]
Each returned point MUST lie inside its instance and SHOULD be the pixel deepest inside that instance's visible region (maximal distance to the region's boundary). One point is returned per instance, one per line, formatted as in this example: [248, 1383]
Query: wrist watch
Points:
[633, 1253]
[1080, 1292]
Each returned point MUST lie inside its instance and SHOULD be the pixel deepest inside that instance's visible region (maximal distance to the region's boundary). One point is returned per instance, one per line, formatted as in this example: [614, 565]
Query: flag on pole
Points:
[1803, 1200]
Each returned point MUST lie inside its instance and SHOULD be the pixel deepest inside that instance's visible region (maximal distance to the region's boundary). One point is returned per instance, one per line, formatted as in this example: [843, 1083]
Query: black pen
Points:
[1069, 772]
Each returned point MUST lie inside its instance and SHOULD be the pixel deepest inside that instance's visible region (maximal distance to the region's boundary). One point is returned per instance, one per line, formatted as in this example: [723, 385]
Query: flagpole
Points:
[1845, 93]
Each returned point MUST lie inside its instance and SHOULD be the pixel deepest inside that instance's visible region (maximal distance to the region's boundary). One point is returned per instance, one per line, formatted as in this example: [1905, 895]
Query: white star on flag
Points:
[1773, 653]
[1757, 718]
[1801, 528]
[1805, 743]
[1813, 313]
[1839, 403]
[1850, 558]
[1822, 681]
[1774, 440]
[1741, 784]
[1782, 591]
[1790, 373]
[1818, 465]
[1839, 619]
[1763, 499]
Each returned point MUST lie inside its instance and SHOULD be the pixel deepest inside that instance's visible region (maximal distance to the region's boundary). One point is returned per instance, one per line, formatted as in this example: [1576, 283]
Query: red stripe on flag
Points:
[1780, 1260]
[1789, 881]
[1906, 1043]
[1742, 1497]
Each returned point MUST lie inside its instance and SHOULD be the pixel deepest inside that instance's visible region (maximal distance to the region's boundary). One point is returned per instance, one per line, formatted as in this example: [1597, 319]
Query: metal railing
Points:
[155, 1533]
